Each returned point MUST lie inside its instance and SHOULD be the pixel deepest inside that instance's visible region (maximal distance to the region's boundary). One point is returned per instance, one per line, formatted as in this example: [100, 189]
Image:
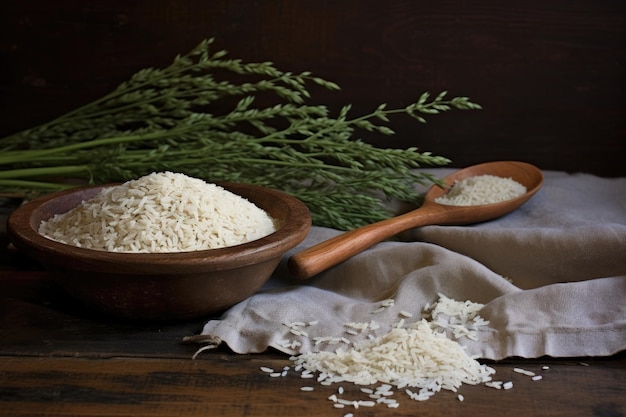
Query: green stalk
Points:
[13, 157]
[34, 185]
[164, 119]
[68, 170]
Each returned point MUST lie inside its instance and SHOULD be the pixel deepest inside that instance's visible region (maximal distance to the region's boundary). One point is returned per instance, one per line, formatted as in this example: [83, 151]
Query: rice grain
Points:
[160, 212]
[481, 189]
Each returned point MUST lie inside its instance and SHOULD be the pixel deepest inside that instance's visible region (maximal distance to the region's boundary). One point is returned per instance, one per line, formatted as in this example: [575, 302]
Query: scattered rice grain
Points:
[388, 302]
[523, 372]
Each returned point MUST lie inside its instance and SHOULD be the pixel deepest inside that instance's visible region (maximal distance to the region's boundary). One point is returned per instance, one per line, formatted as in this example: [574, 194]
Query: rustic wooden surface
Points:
[219, 385]
[56, 359]
[550, 75]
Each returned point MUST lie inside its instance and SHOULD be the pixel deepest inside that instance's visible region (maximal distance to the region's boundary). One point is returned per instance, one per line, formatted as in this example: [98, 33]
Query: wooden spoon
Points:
[331, 252]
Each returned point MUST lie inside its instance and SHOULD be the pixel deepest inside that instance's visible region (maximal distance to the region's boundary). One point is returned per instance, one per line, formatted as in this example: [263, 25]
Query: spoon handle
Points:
[331, 252]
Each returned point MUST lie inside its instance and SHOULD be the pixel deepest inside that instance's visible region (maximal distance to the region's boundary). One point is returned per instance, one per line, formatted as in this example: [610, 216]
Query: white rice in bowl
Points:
[160, 212]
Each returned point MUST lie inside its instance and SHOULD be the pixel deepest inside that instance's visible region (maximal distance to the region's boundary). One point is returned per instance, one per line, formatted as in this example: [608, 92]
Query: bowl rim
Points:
[27, 238]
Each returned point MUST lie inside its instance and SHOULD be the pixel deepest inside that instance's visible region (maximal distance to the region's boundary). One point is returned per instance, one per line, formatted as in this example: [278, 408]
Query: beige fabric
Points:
[552, 276]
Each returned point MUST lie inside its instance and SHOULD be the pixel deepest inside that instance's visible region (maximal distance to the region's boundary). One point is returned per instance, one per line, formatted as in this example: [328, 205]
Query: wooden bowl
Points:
[161, 286]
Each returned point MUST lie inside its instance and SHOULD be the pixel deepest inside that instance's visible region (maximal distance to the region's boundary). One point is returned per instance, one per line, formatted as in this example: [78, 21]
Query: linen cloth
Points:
[551, 276]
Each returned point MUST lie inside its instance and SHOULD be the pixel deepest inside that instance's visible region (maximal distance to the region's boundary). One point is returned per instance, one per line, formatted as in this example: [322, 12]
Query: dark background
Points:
[549, 74]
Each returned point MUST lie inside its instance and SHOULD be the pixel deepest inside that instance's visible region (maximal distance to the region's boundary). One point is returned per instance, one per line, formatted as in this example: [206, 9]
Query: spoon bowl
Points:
[318, 258]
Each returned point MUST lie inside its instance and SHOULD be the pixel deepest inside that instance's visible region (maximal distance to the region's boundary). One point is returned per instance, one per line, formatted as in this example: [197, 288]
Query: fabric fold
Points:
[551, 276]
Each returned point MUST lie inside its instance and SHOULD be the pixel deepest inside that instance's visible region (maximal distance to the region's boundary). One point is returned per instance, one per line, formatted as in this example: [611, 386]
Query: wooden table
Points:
[56, 359]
